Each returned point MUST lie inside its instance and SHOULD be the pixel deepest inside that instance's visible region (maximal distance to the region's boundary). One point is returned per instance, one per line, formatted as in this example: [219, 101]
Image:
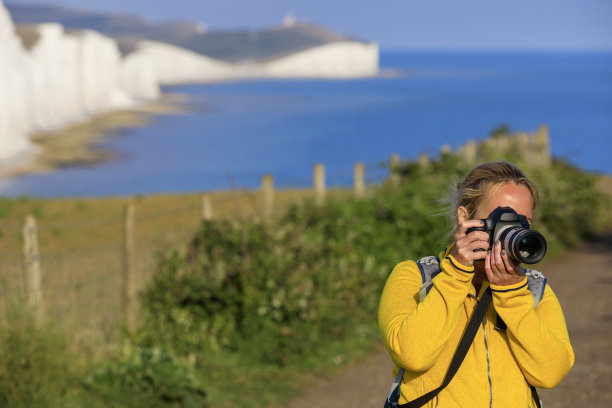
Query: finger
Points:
[472, 250]
[482, 245]
[462, 239]
[465, 225]
[487, 266]
[511, 265]
[507, 263]
[478, 236]
[497, 263]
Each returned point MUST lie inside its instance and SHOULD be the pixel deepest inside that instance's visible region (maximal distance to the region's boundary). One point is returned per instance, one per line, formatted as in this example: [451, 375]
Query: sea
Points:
[233, 133]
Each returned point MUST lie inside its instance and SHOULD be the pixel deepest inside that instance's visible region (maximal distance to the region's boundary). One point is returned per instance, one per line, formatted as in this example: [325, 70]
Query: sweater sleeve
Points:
[414, 332]
[538, 338]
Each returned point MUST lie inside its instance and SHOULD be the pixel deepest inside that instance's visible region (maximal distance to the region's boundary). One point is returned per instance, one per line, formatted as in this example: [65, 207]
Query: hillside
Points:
[234, 46]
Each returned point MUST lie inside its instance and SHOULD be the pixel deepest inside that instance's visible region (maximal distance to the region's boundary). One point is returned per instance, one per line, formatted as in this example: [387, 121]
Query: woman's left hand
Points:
[500, 269]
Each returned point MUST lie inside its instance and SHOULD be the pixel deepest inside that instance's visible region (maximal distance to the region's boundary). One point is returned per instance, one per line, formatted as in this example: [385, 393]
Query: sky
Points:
[583, 25]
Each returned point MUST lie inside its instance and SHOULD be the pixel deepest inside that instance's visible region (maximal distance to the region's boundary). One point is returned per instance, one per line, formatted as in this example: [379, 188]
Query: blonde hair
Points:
[476, 189]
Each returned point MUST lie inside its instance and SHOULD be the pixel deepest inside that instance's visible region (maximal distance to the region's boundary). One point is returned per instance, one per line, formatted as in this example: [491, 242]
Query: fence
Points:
[94, 281]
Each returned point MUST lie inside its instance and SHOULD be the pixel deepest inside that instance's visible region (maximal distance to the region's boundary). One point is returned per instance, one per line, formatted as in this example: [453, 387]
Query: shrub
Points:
[148, 377]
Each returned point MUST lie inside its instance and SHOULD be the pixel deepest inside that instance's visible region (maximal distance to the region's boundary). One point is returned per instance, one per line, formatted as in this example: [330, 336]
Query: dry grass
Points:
[81, 249]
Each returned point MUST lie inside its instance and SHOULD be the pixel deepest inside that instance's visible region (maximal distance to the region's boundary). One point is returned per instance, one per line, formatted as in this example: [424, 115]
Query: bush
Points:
[147, 378]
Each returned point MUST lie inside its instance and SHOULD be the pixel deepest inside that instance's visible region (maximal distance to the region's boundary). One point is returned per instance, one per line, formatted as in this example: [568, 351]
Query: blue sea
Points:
[235, 132]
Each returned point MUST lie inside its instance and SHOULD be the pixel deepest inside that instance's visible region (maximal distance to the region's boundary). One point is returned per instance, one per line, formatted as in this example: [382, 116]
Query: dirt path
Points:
[582, 281]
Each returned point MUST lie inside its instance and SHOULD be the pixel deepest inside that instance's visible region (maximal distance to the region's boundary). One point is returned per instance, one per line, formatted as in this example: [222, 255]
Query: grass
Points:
[81, 260]
[81, 244]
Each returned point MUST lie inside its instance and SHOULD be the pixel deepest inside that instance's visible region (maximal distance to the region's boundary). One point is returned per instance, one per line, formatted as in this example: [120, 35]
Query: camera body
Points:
[512, 230]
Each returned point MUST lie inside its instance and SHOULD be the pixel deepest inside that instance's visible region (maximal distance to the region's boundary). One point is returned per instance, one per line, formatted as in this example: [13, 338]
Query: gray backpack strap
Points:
[430, 267]
[536, 283]
[393, 397]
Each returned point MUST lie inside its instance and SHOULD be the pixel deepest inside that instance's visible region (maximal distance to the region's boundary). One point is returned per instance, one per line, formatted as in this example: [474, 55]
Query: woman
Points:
[421, 336]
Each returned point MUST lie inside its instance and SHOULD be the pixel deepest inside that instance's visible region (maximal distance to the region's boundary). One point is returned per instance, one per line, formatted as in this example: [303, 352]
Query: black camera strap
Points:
[462, 349]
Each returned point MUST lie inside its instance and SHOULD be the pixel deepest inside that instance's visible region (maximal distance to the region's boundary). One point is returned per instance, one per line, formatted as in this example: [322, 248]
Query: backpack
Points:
[430, 267]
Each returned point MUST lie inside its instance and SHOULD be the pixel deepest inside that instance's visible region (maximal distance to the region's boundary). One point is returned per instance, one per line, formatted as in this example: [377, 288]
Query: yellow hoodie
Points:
[422, 337]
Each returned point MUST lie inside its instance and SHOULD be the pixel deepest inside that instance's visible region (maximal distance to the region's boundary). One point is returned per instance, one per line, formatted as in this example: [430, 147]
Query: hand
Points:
[465, 244]
[500, 269]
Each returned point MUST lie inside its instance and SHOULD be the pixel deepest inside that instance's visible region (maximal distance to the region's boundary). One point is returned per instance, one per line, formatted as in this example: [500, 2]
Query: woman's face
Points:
[515, 196]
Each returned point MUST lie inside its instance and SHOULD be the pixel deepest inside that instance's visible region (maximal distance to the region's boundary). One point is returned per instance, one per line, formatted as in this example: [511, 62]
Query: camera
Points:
[512, 230]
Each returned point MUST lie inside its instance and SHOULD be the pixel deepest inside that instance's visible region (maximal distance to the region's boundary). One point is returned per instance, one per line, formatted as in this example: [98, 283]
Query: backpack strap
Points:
[430, 267]
[536, 282]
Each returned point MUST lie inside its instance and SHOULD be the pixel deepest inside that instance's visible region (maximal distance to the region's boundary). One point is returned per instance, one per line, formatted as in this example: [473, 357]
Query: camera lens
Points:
[525, 245]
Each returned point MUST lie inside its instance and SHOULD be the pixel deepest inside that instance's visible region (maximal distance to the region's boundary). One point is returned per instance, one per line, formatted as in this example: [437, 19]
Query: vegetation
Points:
[251, 307]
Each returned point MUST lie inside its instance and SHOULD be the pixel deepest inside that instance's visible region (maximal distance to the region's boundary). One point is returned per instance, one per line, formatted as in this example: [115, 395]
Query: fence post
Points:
[522, 143]
[267, 194]
[542, 147]
[206, 207]
[445, 150]
[129, 268]
[469, 152]
[31, 260]
[358, 180]
[423, 161]
[394, 167]
[319, 182]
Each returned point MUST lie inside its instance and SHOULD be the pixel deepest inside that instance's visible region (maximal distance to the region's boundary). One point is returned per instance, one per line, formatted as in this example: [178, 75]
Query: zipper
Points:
[484, 334]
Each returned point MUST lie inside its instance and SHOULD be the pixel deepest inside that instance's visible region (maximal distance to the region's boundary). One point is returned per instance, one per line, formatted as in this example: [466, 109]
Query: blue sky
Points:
[408, 24]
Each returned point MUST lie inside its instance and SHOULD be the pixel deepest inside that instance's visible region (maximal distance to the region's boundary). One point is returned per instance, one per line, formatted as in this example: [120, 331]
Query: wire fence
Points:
[88, 272]
[82, 282]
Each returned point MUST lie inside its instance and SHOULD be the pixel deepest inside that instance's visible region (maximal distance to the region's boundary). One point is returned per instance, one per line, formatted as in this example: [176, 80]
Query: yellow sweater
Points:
[422, 338]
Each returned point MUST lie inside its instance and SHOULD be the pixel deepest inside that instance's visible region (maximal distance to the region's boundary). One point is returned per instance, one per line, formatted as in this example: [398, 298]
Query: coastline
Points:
[79, 143]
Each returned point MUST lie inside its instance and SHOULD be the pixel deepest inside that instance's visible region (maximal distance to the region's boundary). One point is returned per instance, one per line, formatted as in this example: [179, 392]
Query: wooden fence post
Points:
[31, 260]
[129, 268]
[522, 146]
[267, 195]
[469, 152]
[358, 180]
[319, 182]
[394, 167]
[206, 208]
[541, 141]
[423, 161]
[445, 150]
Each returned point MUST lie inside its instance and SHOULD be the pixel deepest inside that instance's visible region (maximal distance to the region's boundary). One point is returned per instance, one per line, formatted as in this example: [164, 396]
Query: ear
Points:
[462, 214]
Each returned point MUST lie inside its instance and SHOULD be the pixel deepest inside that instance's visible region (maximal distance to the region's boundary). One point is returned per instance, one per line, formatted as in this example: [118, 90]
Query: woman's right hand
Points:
[465, 244]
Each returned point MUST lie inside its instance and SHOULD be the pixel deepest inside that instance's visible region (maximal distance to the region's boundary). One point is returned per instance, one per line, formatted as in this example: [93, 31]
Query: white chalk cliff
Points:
[65, 77]
[334, 60]
[14, 121]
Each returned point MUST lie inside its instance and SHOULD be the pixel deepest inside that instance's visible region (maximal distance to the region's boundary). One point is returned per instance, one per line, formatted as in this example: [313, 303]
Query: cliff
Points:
[53, 77]
[13, 107]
